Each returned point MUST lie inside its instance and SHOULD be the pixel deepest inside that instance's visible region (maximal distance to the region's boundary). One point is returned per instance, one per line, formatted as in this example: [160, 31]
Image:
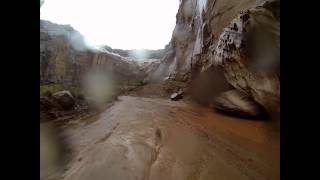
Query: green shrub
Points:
[50, 89]
[53, 88]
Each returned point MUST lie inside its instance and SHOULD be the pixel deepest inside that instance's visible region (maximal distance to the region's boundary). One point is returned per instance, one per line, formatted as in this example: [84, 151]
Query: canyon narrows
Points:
[206, 106]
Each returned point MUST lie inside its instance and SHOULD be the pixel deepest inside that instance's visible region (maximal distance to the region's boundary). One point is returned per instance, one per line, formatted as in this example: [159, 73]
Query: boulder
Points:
[176, 96]
[237, 103]
[64, 99]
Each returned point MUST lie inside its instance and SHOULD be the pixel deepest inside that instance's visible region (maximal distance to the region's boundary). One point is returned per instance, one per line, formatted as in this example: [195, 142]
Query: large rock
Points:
[234, 102]
[64, 99]
[177, 95]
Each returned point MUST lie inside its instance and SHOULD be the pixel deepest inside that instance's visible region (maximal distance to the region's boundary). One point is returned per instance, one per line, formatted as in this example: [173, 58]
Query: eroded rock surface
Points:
[248, 52]
[240, 38]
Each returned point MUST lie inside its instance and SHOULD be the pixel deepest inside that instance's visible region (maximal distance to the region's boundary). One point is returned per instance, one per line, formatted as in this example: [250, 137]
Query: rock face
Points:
[165, 67]
[239, 38]
[65, 58]
[97, 75]
[248, 53]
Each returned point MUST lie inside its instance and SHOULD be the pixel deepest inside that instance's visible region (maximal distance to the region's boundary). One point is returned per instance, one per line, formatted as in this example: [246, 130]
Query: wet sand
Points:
[156, 139]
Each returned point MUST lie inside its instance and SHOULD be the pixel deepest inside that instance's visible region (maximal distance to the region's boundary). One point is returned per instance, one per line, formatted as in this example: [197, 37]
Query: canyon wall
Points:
[228, 51]
[65, 58]
[239, 39]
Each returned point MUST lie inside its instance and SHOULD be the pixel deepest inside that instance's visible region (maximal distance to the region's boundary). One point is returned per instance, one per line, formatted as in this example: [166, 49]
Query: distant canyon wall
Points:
[139, 54]
[65, 58]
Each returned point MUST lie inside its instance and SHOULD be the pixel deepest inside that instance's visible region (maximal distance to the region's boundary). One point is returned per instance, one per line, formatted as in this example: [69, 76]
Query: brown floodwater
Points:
[156, 139]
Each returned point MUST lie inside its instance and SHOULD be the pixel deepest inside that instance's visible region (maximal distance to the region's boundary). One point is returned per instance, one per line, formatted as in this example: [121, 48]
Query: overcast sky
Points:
[125, 24]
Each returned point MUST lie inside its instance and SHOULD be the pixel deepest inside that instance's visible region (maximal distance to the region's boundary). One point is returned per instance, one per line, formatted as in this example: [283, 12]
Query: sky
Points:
[123, 24]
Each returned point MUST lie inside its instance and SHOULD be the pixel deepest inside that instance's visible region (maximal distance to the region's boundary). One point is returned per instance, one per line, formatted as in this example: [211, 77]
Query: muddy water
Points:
[156, 139]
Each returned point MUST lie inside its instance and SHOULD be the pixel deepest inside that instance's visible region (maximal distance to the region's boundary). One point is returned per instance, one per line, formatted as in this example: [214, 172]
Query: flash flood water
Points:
[150, 138]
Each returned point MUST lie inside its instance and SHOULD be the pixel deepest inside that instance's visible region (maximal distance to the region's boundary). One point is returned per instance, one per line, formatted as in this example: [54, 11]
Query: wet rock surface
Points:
[248, 52]
[162, 139]
[236, 103]
[240, 38]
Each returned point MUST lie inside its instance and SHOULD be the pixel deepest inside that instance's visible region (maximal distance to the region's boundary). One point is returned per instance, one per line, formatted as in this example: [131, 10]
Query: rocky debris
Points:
[162, 89]
[64, 99]
[176, 96]
[234, 102]
[62, 106]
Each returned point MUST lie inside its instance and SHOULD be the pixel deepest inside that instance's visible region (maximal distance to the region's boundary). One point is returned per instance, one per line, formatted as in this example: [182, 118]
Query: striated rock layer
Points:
[65, 58]
[241, 39]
